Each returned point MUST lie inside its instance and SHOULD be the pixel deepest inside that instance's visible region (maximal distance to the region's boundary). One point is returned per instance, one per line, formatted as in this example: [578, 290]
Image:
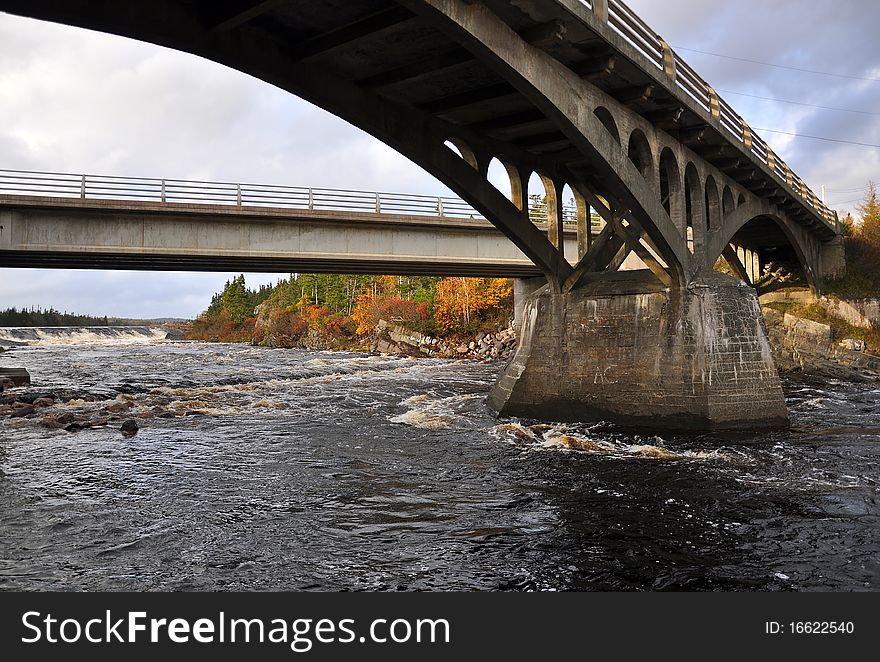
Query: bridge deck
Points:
[58, 232]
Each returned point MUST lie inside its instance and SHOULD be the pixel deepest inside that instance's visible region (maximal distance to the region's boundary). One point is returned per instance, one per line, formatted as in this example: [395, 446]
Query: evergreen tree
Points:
[869, 230]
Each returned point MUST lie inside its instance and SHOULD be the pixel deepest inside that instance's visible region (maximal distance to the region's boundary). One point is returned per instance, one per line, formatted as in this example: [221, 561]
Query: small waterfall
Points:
[71, 335]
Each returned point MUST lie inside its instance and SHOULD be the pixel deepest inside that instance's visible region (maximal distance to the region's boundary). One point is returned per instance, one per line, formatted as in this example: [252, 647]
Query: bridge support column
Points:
[522, 288]
[628, 350]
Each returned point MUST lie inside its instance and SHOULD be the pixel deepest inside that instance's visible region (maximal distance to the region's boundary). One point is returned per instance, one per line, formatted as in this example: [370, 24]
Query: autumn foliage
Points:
[342, 308]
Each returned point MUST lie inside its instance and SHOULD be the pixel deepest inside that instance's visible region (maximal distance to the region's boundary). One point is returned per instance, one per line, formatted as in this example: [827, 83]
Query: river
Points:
[262, 469]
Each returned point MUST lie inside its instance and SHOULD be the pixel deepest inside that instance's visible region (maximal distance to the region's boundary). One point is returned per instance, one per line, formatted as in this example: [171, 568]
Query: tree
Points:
[234, 300]
[869, 230]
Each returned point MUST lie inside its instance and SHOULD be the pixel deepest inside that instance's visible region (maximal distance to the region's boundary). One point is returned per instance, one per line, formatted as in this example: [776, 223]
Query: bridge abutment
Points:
[628, 350]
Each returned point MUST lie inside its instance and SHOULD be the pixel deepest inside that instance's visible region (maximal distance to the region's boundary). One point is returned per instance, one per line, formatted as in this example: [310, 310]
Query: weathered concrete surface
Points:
[630, 351]
[119, 234]
[832, 258]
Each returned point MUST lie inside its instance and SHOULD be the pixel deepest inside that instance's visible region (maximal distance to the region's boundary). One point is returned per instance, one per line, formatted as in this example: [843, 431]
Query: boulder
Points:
[21, 412]
[40, 403]
[853, 345]
[18, 376]
[129, 427]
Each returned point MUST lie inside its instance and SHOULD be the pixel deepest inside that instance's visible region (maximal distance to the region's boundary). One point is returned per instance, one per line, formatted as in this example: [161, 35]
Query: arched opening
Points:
[466, 153]
[741, 200]
[771, 256]
[670, 187]
[694, 212]
[727, 203]
[639, 152]
[608, 122]
[576, 217]
[543, 207]
[713, 205]
[507, 180]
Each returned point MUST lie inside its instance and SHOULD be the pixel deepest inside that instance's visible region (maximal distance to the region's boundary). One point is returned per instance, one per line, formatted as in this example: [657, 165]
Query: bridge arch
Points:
[727, 203]
[460, 147]
[500, 173]
[760, 228]
[670, 185]
[639, 152]
[713, 205]
[604, 115]
[695, 220]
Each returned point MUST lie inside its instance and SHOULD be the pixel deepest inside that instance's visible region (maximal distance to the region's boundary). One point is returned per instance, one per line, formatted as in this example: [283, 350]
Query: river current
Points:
[271, 469]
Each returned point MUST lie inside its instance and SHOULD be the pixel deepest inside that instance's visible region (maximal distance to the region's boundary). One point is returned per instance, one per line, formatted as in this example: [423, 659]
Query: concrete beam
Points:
[69, 232]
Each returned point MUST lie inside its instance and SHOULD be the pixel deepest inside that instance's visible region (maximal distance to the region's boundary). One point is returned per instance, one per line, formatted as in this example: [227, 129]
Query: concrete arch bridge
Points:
[588, 96]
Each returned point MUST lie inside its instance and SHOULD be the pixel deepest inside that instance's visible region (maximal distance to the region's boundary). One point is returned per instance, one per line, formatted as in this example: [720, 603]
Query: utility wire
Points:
[778, 66]
[798, 103]
[830, 140]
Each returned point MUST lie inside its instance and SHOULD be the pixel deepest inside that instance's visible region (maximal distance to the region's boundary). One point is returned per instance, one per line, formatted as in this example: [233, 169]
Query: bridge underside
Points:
[546, 87]
[69, 233]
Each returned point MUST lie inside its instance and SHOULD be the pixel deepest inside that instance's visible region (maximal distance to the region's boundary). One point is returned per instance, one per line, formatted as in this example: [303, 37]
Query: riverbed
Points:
[272, 469]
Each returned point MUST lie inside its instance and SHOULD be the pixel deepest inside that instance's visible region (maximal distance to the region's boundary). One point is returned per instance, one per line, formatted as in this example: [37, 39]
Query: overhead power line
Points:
[830, 140]
[778, 66]
[798, 103]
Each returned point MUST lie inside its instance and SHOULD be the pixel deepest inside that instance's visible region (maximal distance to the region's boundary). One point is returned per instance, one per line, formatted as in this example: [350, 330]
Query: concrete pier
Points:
[628, 350]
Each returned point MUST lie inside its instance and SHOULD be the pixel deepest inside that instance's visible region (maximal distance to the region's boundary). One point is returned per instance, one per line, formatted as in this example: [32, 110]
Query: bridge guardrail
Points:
[106, 187]
[625, 22]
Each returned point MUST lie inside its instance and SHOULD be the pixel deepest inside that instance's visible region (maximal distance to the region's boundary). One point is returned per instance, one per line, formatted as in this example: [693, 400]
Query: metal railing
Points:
[658, 54]
[182, 191]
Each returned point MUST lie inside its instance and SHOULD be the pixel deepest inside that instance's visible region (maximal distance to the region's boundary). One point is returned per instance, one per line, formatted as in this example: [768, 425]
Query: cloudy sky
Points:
[77, 101]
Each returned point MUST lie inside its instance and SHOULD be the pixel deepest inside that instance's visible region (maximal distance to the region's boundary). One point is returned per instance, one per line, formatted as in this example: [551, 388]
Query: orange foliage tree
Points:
[463, 305]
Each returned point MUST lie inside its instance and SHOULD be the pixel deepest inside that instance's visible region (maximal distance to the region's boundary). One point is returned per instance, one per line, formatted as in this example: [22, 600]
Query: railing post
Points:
[668, 59]
[82, 187]
[771, 160]
[311, 200]
[378, 204]
[238, 194]
[439, 206]
[714, 102]
[600, 9]
[163, 191]
[747, 136]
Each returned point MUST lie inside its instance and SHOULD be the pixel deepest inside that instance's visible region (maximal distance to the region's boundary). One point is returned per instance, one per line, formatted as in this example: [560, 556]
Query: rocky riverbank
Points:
[807, 347]
[392, 339]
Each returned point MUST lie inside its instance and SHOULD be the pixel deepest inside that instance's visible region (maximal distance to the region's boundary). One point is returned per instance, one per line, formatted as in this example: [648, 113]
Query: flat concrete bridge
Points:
[581, 93]
[69, 221]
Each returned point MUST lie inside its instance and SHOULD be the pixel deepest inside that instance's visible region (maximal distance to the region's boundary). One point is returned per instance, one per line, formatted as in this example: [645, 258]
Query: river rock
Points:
[21, 412]
[6, 384]
[41, 403]
[55, 421]
[19, 376]
[129, 427]
[118, 407]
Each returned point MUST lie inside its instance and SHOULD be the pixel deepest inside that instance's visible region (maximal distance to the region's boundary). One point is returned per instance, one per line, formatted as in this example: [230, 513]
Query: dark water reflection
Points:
[303, 470]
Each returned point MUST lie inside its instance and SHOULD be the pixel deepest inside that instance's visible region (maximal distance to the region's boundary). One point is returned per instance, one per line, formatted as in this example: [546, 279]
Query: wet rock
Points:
[22, 411]
[6, 384]
[118, 407]
[56, 421]
[129, 427]
[75, 427]
[41, 403]
[18, 376]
